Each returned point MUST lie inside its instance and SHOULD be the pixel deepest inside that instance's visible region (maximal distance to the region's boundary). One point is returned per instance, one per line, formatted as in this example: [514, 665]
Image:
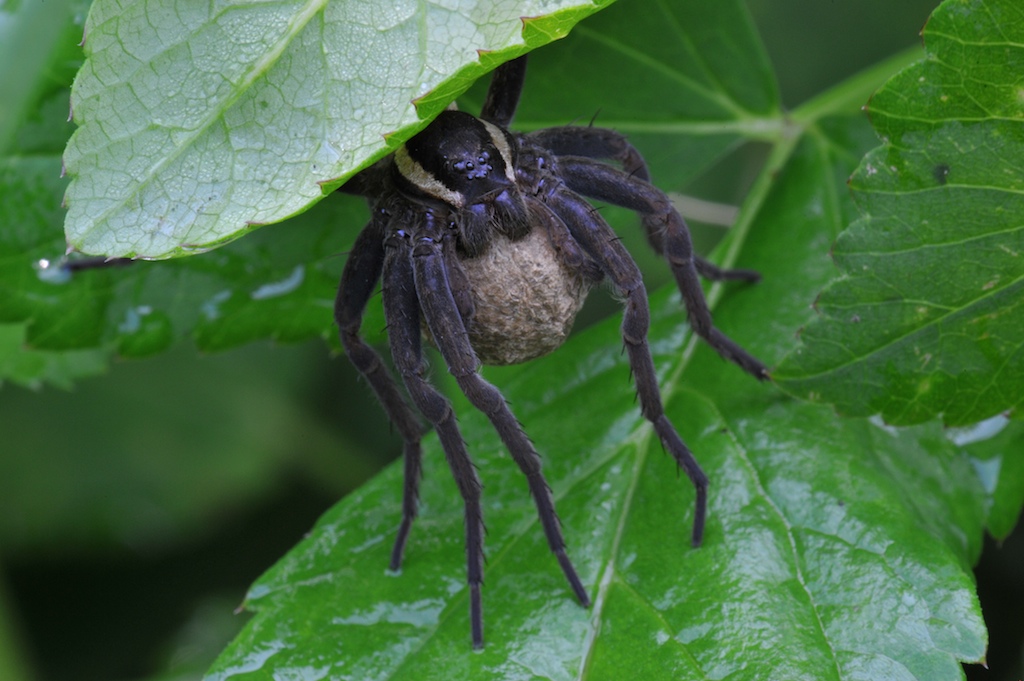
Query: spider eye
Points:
[472, 169]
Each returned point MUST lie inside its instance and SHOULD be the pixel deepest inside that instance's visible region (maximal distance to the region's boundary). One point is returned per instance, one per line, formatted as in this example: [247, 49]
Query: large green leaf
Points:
[199, 121]
[280, 283]
[836, 548]
[927, 319]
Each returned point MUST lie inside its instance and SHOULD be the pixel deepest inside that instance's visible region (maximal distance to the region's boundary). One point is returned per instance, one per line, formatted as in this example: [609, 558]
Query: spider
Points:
[485, 248]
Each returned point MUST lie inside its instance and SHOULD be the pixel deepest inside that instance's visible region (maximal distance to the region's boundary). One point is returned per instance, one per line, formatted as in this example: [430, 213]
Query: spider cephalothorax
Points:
[485, 247]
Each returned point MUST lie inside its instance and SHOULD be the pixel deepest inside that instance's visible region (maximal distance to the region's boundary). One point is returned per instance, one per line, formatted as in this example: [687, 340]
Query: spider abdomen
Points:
[525, 299]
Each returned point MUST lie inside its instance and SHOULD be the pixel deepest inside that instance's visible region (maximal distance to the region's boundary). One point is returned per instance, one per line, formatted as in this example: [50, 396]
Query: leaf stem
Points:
[856, 90]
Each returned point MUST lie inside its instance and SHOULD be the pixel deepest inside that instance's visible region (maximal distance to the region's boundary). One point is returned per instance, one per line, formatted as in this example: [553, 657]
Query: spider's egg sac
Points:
[524, 299]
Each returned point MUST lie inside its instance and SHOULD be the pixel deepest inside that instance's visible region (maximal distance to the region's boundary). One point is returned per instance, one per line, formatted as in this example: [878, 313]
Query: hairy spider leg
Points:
[360, 276]
[402, 310]
[568, 250]
[591, 231]
[438, 306]
[601, 143]
[605, 183]
[503, 94]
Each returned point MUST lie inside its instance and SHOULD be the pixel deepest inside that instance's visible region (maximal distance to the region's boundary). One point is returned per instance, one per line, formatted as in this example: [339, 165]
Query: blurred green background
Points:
[124, 549]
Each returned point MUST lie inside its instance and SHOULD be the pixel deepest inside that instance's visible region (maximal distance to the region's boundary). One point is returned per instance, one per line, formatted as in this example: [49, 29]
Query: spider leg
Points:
[601, 143]
[567, 249]
[360, 276]
[713, 272]
[503, 94]
[367, 181]
[590, 142]
[450, 335]
[605, 183]
[72, 265]
[402, 310]
[597, 238]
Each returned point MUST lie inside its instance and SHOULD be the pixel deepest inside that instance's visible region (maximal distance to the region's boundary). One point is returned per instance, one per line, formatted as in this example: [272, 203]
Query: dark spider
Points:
[486, 248]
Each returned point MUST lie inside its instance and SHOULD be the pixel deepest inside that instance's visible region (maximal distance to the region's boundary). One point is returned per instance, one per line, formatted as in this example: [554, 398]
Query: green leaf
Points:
[34, 37]
[810, 513]
[997, 446]
[34, 368]
[835, 548]
[199, 122]
[167, 469]
[701, 94]
[260, 287]
[927, 317]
